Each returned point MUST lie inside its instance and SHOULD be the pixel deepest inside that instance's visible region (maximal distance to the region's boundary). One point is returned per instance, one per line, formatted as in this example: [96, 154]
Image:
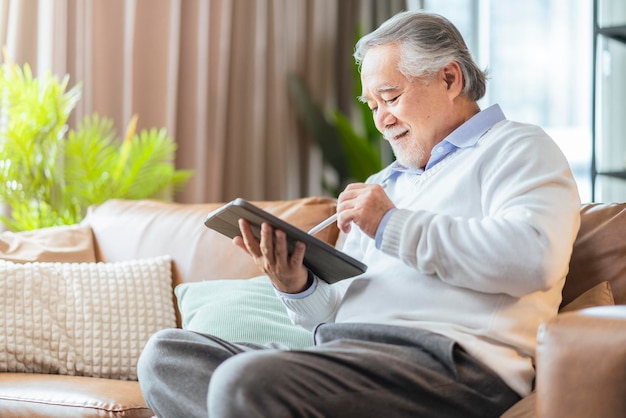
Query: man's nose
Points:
[384, 119]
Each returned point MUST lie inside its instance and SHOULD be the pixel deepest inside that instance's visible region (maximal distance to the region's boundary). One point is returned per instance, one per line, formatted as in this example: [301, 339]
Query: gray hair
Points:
[428, 42]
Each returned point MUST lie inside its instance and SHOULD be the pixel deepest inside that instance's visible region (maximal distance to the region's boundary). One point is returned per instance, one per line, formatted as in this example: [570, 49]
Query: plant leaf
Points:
[47, 179]
[362, 156]
[324, 133]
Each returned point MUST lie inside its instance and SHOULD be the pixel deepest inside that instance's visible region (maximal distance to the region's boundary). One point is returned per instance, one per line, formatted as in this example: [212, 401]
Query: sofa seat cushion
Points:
[28, 395]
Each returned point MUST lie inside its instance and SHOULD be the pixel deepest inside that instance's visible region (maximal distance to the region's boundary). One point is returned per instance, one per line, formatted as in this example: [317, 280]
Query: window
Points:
[539, 55]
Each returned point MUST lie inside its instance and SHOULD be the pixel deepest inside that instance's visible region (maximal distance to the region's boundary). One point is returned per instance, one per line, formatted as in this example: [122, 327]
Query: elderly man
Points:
[467, 244]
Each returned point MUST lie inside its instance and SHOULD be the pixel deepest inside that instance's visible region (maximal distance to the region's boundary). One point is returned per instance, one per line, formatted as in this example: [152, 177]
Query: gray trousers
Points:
[354, 370]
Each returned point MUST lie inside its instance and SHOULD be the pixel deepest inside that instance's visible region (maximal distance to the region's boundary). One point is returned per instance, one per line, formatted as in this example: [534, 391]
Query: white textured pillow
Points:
[83, 319]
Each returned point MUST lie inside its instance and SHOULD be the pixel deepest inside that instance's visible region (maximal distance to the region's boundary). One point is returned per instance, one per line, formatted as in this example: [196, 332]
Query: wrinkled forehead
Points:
[380, 58]
[379, 71]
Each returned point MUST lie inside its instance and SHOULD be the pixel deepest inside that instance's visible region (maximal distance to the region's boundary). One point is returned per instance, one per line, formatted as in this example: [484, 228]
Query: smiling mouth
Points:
[395, 134]
[400, 135]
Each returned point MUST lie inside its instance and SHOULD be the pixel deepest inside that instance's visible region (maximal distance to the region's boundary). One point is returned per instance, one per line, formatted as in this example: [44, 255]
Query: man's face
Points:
[409, 112]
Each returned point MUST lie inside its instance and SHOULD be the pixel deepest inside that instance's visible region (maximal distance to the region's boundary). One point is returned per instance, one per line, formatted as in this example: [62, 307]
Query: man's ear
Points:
[453, 77]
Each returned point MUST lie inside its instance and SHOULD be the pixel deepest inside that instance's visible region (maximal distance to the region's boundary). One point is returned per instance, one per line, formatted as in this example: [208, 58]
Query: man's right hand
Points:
[271, 255]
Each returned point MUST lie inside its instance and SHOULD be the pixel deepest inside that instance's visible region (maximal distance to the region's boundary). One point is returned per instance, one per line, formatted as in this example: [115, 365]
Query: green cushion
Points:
[239, 311]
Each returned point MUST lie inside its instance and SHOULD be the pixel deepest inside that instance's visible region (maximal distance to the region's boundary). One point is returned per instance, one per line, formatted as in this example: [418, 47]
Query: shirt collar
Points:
[468, 134]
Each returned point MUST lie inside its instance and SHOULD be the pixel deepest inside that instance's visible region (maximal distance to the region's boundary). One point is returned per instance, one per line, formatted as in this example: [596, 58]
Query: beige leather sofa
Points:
[581, 355]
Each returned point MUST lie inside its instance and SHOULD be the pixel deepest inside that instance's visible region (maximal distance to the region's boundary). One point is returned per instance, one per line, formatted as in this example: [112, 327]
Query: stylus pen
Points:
[330, 220]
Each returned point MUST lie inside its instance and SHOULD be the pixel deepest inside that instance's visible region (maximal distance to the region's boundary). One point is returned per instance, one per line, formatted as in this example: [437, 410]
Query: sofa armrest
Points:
[581, 364]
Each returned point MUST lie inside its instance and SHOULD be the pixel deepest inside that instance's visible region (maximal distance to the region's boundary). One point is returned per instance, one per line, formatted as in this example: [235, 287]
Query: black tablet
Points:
[324, 260]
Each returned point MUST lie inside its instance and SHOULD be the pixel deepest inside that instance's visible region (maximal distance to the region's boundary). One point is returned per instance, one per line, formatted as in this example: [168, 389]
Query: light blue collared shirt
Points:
[465, 136]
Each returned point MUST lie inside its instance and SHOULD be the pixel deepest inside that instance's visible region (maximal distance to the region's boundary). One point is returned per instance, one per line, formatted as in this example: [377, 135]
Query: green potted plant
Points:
[50, 174]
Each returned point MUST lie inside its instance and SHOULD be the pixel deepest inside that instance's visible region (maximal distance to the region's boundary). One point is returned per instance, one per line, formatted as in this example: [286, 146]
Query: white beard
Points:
[410, 155]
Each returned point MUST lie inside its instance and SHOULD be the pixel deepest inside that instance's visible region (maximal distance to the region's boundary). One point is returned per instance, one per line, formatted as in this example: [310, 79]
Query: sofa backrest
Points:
[126, 229]
[599, 251]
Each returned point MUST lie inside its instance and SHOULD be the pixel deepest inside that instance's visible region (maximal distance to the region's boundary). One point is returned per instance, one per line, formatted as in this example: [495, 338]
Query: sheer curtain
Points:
[212, 72]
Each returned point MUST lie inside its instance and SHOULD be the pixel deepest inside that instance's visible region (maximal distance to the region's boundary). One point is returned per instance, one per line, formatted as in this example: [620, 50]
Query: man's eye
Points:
[373, 109]
[391, 101]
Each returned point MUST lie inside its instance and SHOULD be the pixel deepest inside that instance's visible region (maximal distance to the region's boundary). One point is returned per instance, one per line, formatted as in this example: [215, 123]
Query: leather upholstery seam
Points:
[71, 405]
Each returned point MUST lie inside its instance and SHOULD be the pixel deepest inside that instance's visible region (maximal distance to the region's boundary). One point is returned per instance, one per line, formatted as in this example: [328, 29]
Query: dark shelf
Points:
[616, 174]
[614, 32]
